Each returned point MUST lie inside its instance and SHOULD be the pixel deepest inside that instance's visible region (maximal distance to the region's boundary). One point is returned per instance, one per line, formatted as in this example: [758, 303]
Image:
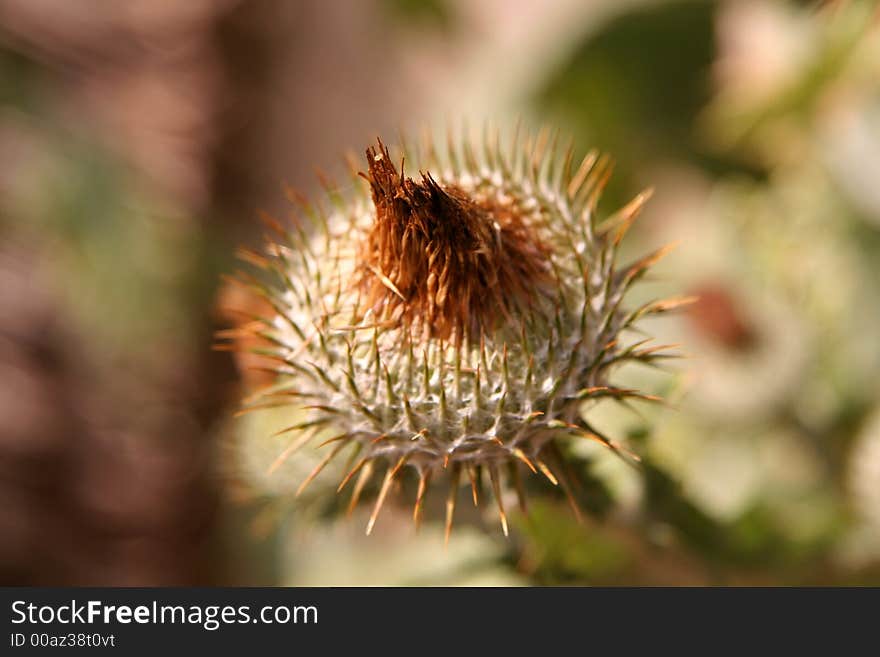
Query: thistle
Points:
[454, 323]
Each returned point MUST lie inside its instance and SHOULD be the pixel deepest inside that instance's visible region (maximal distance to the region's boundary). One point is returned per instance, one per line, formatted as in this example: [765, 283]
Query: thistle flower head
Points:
[452, 323]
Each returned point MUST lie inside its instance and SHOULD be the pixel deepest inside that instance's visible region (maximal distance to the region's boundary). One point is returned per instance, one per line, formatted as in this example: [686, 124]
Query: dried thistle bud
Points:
[445, 262]
[452, 324]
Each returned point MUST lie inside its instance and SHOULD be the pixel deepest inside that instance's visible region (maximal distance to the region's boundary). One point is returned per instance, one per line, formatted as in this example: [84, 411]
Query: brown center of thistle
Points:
[448, 264]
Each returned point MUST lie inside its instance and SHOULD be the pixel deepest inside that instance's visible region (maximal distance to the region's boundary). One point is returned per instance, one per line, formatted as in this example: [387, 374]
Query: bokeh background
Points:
[140, 139]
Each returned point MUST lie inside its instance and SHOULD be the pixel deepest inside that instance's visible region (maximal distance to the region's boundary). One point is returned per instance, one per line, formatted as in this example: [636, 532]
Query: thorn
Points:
[252, 257]
[673, 303]
[472, 473]
[648, 261]
[546, 472]
[363, 478]
[602, 176]
[518, 453]
[386, 484]
[424, 480]
[379, 439]
[352, 472]
[314, 473]
[386, 281]
[496, 487]
[450, 501]
[334, 439]
[294, 445]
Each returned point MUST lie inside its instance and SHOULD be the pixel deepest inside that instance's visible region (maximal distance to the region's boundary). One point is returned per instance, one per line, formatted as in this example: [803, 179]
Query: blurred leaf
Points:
[559, 550]
[635, 88]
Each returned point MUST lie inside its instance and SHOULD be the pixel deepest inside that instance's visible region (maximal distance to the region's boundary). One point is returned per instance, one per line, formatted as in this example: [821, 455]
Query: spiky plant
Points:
[452, 323]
